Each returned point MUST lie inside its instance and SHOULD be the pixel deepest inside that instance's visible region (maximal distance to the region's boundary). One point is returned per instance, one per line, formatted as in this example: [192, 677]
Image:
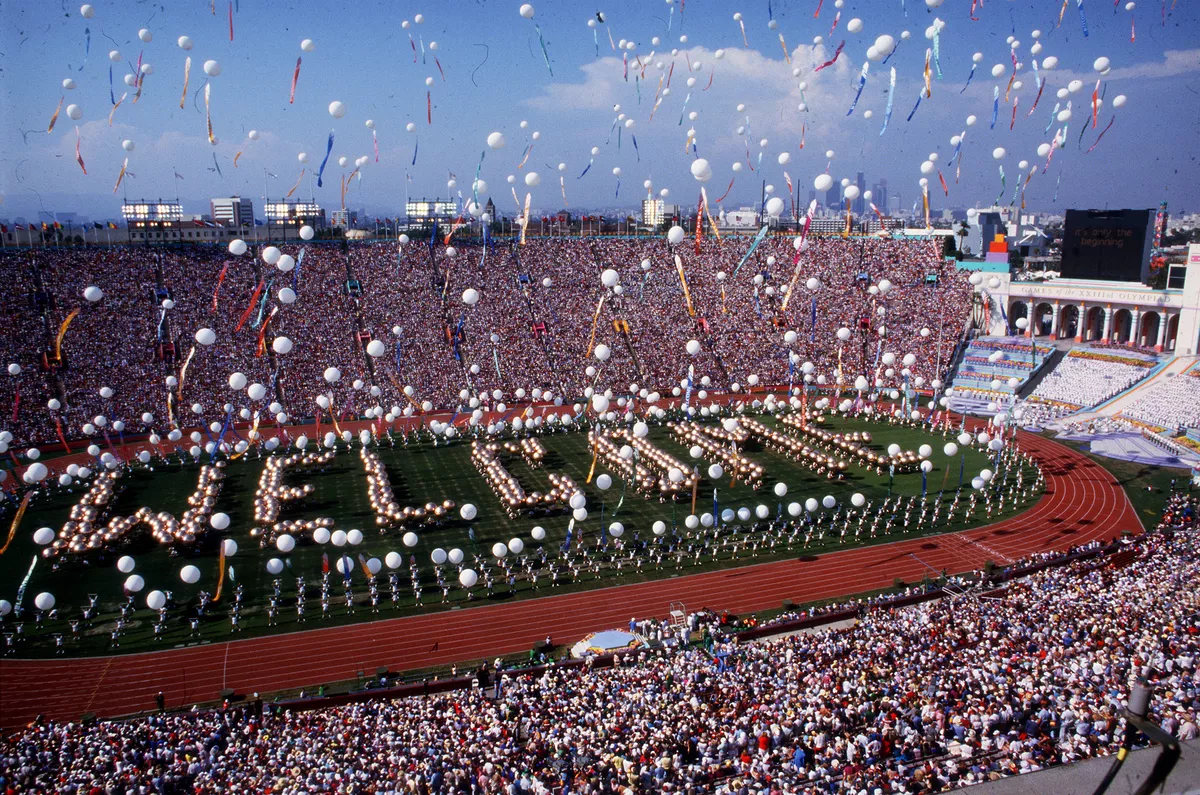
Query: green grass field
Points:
[419, 473]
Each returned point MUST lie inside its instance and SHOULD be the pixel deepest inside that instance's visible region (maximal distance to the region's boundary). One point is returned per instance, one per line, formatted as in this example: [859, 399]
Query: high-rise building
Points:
[833, 197]
[233, 211]
[860, 203]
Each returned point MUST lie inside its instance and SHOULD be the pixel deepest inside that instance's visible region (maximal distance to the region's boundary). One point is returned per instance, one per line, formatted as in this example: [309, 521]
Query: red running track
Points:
[1082, 502]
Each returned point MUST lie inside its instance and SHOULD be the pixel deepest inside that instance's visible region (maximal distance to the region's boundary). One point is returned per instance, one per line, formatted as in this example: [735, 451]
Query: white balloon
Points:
[212, 68]
[337, 109]
[189, 574]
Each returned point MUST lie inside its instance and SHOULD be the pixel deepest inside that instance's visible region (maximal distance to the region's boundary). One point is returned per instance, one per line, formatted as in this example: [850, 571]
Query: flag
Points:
[57, 225]
[177, 174]
[111, 225]
[97, 224]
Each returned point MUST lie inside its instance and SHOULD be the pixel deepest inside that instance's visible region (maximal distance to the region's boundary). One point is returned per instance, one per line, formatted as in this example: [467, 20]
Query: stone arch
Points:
[1148, 333]
[1068, 322]
[1017, 309]
[1172, 333]
[1044, 315]
[1093, 323]
[1122, 326]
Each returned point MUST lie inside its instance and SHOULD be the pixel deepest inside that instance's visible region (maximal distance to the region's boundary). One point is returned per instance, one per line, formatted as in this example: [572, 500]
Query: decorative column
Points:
[1162, 331]
[1135, 327]
[1029, 317]
[1105, 334]
[1054, 320]
[1081, 323]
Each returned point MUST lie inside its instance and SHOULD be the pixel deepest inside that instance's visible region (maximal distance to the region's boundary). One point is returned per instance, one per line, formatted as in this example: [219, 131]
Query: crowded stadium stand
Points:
[1086, 378]
[1172, 404]
[968, 689]
[532, 326]
[990, 364]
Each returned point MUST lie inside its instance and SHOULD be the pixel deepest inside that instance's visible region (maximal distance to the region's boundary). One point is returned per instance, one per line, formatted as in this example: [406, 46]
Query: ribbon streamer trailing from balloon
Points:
[1062, 11]
[758, 238]
[1003, 185]
[187, 75]
[1095, 103]
[295, 78]
[1101, 135]
[928, 74]
[586, 170]
[995, 106]
[708, 214]
[249, 307]
[78, 156]
[328, 149]
[525, 157]
[683, 111]
[261, 346]
[1012, 78]
[293, 190]
[925, 204]
[942, 179]
[220, 281]
[1053, 116]
[1038, 97]
[1082, 18]
[937, 52]
[208, 112]
[140, 82]
[836, 19]
[54, 118]
[422, 40]
[116, 105]
[375, 141]
[414, 47]
[183, 375]
[862, 82]
[920, 96]
[832, 60]
[262, 305]
[887, 114]
[726, 193]
[438, 64]
[542, 44]
[1016, 101]
[525, 217]
[87, 47]
[817, 13]
[562, 184]
[742, 25]
[231, 20]
[787, 56]
[595, 321]
[112, 95]
[635, 147]
[16, 522]
[62, 332]
[429, 107]
[808, 216]
[969, 77]
[687, 295]
[710, 79]
[121, 175]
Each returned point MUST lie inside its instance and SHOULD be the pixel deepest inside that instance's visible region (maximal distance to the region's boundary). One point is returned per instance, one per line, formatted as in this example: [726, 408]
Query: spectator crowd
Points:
[541, 314]
[909, 700]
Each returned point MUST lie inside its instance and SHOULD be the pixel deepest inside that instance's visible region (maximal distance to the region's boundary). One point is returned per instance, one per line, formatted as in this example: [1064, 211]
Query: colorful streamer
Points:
[295, 78]
[208, 112]
[328, 149]
[862, 82]
[969, 77]
[293, 190]
[187, 75]
[920, 95]
[54, 118]
[62, 332]
[542, 44]
[887, 114]
[16, 522]
[121, 175]
[1093, 146]
[995, 106]
[832, 60]
[112, 112]
[78, 156]
[1082, 18]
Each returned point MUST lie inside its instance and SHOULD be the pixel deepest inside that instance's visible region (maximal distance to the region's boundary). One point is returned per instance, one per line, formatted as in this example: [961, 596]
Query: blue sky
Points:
[495, 77]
